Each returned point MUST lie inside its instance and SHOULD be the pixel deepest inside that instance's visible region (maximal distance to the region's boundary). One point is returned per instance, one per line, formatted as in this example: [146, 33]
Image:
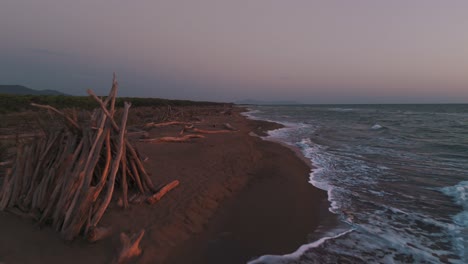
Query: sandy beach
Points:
[239, 197]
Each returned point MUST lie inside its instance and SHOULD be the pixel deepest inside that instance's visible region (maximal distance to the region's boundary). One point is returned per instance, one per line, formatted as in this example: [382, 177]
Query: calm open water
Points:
[396, 176]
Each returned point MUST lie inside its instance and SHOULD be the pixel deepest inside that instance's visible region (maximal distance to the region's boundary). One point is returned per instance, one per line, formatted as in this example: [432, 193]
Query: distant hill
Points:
[22, 90]
[256, 102]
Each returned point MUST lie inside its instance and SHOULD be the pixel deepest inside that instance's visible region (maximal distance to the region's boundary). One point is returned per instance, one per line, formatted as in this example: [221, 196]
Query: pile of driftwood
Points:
[68, 176]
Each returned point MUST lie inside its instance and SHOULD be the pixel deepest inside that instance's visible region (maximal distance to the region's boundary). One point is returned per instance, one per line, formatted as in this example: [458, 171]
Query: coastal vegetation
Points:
[17, 103]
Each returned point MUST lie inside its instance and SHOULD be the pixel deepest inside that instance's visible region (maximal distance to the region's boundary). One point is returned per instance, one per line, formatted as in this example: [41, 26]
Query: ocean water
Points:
[396, 177]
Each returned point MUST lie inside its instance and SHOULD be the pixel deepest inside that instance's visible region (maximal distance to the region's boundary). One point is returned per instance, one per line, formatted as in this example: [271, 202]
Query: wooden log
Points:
[157, 196]
[17, 181]
[229, 127]
[49, 174]
[124, 180]
[6, 189]
[130, 246]
[171, 139]
[95, 153]
[67, 189]
[203, 131]
[71, 190]
[79, 217]
[104, 109]
[105, 171]
[113, 94]
[69, 211]
[114, 168]
[39, 166]
[54, 200]
[170, 123]
[86, 194]
[145, 177]
[137, 176]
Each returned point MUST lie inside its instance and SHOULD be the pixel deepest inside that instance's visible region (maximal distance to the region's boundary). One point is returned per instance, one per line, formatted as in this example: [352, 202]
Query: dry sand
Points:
[239, 197]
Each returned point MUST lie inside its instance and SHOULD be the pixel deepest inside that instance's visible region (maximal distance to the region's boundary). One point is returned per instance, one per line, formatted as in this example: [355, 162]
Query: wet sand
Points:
[239, 197]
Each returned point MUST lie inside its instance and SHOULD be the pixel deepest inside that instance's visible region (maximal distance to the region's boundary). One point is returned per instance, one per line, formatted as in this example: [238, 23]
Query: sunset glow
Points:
[359, 51]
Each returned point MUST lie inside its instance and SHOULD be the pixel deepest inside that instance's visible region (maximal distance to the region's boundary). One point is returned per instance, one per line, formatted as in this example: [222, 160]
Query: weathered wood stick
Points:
[203, 131]
[137, 176]
[53, 109]
[157, 196]
[39, 166]
[55, 193]
[104, 109]
[69, 211]
[6, 189]
[171, 139]
[105, 172]
[112, 93]
[124, 179]
[17, 180]
[79, 218]
[140, 166]
[229, 127]
[67, 189]
[130, 246]
[170, 123]
[115, 166]
[115, 86]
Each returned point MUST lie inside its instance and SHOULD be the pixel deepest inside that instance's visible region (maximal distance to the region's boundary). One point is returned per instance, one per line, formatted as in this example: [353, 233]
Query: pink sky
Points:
[359, 51]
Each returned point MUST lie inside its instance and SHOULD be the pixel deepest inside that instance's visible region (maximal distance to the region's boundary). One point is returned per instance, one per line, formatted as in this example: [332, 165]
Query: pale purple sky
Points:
[329, 51]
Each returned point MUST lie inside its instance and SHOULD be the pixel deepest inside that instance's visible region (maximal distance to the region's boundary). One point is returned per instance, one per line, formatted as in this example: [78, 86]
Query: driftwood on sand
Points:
[130, 246]
[170, 123]
[69, 176]
[185, 138]
[157, 196]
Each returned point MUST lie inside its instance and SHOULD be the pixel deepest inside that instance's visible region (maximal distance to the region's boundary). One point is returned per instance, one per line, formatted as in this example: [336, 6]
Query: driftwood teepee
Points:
[68, 177]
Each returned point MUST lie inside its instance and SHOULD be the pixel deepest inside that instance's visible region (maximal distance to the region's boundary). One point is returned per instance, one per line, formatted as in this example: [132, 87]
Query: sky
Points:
[329, 51]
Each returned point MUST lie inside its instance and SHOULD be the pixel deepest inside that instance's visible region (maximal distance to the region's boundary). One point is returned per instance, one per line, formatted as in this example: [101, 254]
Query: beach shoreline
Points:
[276, 213]
[240, 197]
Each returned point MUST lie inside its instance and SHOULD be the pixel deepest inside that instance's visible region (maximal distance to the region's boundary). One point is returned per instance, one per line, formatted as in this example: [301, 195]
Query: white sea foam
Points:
[296, 254]
[250, 114]
[284, 132]
[367, 194]
[309, 150]
[459, 193]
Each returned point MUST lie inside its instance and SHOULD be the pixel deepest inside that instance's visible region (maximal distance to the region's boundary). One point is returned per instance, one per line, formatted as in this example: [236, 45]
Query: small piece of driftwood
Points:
[229, 127]
[203, 131]
[170, 123]
[171, 139]
[164, 190]
[130, 246]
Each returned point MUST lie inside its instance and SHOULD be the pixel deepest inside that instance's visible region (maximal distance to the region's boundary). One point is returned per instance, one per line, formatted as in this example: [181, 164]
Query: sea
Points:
[396, 177]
